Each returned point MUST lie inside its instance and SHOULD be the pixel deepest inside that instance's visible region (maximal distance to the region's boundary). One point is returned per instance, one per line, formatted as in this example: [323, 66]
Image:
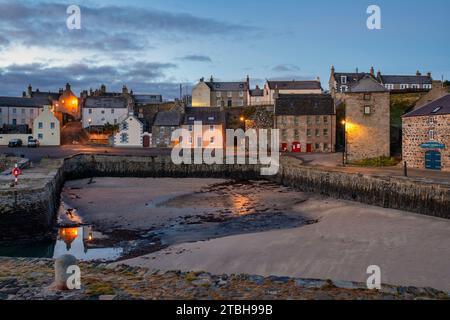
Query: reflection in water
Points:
[241, 204]
[75, 241]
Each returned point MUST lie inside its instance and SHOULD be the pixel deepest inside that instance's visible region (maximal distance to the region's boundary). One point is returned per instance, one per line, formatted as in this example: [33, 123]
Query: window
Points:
[317, 120]
[124, 138]
[415, 86]
[52, 125]
[229, 94]
[344, 79]
[219, 103]
[344, 88]
[211, 118]
[14, 110]
[103, 111]
[317, 133]
[325, 120]
[230, 103]
[112, 111]
[389, 86]
[172, 129]
[317, 146]
[31, 112]
[40, 125]
[325, 147]
[191, 118]
[14, 122]
[190, 140]
[308, 133]
[296, 121]
[309, 120]
[431, 134]
[367, 110]
[161, 130]
[241, 94]
[211, 128]
[23, 111]
[211, 140]
[90, 111]
[190, 127]
[218, 94]
[125, 126]
[367, 96]
[40, 136]
[427, 86]
[325, 132]
[296, 134]
[430, 120]
[241, 102]
[404, 86]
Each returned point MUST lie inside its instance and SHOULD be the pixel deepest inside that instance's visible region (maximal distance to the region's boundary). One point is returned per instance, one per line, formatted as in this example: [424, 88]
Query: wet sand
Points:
[269, 230]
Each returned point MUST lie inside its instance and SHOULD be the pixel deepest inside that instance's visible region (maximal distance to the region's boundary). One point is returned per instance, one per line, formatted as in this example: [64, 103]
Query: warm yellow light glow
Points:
[343, 122]
[242, 119]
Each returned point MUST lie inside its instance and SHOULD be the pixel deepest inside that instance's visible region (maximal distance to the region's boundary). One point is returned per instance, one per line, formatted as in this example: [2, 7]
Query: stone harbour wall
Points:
[32, 213]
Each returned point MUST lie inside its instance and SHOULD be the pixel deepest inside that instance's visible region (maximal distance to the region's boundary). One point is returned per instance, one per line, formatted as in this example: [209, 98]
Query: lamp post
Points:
[90, 122]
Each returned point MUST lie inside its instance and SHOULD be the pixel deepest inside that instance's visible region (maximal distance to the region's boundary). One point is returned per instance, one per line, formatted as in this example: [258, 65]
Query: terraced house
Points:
[426, 136]
[307, 122]
[220, 94]
[341, 82]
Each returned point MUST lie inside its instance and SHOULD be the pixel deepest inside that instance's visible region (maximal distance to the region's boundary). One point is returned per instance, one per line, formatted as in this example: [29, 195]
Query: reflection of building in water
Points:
[68, 235]
[75, 241]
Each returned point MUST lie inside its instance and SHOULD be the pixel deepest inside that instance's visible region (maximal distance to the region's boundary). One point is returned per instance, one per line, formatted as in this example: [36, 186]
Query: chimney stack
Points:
[30, 91]
[67, 86]
[211, 79]
[372, 71]
[418, 73]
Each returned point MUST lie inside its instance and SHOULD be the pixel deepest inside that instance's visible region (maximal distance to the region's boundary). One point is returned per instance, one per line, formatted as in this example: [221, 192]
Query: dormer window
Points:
[344, 88]
[389, 86]
[344, 79]
[404, 86]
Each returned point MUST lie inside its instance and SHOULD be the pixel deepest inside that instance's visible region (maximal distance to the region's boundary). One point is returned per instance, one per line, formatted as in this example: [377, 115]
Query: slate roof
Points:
[437, 107]
[396, 79]
[51, 95]
[105, 102]
[294, 85]
[257, 92]
[208, 116]
[227, 86]
[34, 102]
[367, 84]
[352, 77]
[168, 118]
[304, 104]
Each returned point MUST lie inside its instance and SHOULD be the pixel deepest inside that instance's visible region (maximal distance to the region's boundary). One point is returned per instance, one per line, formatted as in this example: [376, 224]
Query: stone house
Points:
[213, 125]
[21, 111]
[131, 134]
[101, 110]
[274, 88]
[366, 120]
[426, 136]
[220, 94]
[166, 122]
[341, 82]
[307, 122]
[47, 128]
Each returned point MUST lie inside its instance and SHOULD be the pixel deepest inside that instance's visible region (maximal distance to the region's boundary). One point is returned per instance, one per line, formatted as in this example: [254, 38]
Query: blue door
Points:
[433, 160]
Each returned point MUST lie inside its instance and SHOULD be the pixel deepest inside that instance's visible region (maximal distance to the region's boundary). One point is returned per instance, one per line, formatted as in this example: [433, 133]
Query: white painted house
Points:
[99, 111]
[47, 129]
[131, 134]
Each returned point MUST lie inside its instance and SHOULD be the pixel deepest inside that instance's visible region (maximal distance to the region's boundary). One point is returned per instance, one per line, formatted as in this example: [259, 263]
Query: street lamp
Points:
[90, 121]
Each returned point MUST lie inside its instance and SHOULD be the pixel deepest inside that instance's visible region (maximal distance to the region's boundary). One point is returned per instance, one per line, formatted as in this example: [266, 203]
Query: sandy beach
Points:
[220, 227]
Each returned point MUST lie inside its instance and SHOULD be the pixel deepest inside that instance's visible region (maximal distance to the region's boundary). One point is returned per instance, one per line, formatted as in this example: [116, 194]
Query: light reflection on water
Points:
[75, 241]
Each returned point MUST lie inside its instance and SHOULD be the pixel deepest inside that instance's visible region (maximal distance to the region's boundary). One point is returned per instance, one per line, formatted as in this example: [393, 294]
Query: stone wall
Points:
[368, 135]
[416, 132]
[31, 213]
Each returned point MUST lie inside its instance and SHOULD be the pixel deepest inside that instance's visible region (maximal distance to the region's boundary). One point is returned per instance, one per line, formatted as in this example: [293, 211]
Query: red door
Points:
[146, 141]
[309, 147]
[296, 147]
[284, 147]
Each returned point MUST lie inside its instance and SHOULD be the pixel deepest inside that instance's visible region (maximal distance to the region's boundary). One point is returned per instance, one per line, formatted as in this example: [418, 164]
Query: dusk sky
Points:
[153, 46]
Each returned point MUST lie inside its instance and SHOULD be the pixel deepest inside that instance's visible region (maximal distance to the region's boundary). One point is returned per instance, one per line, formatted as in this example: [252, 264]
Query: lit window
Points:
[367, 110]
[431, 134]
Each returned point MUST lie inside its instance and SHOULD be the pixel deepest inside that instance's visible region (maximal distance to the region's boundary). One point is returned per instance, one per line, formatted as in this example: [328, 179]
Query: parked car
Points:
[33, 143]
[15, 143]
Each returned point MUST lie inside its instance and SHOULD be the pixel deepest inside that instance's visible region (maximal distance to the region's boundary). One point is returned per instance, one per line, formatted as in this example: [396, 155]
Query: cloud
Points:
[196, 58]
[285, 68]
[103, 28]
[139, 76]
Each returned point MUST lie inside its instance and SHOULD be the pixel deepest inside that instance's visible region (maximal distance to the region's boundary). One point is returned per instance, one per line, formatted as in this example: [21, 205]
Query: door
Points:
[309, 147]
[433, 160]
[146, 141]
